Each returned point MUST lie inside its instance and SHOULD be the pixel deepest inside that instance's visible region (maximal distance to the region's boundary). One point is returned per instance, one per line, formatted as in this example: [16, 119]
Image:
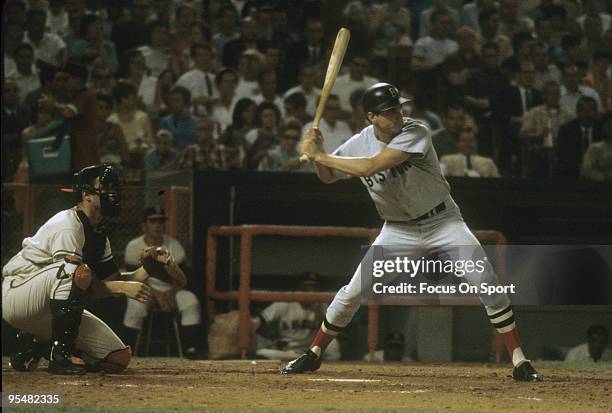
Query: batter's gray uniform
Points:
[186, 302]
[39, 273]
[401, 195]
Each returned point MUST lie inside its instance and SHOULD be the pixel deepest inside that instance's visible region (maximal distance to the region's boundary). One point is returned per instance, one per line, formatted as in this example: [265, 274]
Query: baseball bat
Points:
[333, 67]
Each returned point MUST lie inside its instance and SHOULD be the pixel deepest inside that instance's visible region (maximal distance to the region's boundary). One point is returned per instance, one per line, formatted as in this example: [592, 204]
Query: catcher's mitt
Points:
[158, 263]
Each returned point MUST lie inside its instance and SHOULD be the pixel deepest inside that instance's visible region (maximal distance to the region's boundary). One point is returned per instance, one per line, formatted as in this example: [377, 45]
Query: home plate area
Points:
[168, 384]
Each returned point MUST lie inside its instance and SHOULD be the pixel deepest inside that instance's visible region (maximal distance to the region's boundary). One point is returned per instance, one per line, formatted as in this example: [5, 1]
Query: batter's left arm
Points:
[385, 159]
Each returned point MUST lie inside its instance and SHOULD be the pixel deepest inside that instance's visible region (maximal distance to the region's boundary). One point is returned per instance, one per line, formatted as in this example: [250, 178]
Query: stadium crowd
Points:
[508, 88]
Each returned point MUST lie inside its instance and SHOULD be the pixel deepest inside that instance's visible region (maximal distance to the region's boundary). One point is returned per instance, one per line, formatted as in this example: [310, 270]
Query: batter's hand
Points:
[312, 144]
[137, 291]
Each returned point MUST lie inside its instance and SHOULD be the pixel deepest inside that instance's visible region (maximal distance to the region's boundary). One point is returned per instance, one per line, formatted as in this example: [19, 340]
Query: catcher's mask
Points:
[108, 190]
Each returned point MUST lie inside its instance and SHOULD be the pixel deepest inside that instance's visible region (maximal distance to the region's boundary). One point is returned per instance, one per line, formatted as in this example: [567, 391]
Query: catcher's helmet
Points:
[109, 188]
[381, 97]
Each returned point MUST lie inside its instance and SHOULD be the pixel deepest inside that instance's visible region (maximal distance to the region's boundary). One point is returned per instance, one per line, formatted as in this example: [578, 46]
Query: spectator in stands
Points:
[92, 42]
[157, 54]
[46, 75]
[223, 107]
[445, 140]
[544, 34]
[390, 25]
[268, 88]
[429, 51]
[184, 17]
[594, 8]
[48, 47]
[243, 120]
[136, 73]
[292, 325]
[511, 23]
[82, 111]
[572, 90]
[467, 162]
[26, 76]
[132, 33]
[597, 161]
[467, 52]
[200, 81]
[544, 70]
[286, 156]
[357, 119]
[101, 77]
[539, 132]
[471, 11]
[247, 40]
[180, 122]
[356, 78]
[306, 87]
[426, 22]
[575, 137]
[207, 153]
[165, 83]
[312, 49]
[111, 142]
[57, 17]
[76, 11]
[336, 131]
[295, 107]
[593, 32]
[162, 157]
[12, 35]
[250, 64]
[489, 31]
[15, 118]
[167, 297]
[393, 349]
[600, 79]
[594, 349]
[227, 29]
[512, 103]
[134, 123]
[264, 136]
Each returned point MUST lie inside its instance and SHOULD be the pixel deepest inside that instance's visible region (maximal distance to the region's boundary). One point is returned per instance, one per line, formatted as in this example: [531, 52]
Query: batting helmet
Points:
[381, 97]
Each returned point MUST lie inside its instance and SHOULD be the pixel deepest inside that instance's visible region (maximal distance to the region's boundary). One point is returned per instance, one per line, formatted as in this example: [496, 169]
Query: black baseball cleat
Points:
[63, 361]
[308, 361]
[29, 357]
[526, 372]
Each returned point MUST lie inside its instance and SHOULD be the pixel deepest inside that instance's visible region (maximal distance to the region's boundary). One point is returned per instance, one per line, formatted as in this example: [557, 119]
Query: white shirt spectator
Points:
[9, 66]
[344, 86]
[569, 100]
[581, 354]
[606, 20]
[223, 114]
[278, 101]
[425, 20]
[48, 49]
[155, 60]
[199, 84]
[333, 136]
[25, 83]
[58, 24]
[311, 98]
[246, 88]
[146, 91]
[434, 51]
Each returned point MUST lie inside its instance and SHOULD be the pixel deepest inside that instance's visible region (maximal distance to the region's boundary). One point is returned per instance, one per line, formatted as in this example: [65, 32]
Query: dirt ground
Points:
[243, 386]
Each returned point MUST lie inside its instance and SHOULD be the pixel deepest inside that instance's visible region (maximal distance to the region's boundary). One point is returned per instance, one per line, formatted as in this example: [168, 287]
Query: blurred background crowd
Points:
[509, 88]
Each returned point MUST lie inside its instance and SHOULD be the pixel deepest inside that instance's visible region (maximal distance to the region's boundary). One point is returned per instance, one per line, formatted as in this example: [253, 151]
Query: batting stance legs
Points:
[48, 304]
[446, 229]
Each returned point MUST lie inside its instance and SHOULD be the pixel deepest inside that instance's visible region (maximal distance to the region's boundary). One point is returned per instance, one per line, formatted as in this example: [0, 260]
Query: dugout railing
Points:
[244, 295]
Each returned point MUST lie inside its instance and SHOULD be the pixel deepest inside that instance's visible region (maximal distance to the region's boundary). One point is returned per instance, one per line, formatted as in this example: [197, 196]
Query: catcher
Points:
[68, 259]
[164, 259]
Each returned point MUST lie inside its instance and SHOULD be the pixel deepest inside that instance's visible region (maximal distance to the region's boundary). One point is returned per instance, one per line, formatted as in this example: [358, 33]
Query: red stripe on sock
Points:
[511, 341]
[321, 340]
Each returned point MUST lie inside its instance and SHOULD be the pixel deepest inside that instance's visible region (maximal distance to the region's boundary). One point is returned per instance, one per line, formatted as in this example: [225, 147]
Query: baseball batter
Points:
[44, 285]
[397, 163]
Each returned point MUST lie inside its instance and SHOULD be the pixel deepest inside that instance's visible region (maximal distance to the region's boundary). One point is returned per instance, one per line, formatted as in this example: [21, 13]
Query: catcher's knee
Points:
[116, 361]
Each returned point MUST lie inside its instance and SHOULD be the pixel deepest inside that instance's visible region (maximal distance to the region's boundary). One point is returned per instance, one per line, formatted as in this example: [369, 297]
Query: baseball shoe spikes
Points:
[28, 358]
[526, 372]
[308, 361]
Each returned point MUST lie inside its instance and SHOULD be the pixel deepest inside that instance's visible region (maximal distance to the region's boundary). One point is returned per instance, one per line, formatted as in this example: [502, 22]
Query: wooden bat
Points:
[333, 67]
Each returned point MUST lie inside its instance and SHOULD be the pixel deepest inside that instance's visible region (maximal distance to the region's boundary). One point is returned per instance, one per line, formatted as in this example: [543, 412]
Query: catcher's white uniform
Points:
[39, 273]
[403, 195]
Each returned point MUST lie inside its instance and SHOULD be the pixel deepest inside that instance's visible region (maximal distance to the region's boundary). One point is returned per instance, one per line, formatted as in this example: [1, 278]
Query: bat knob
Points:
[304, 159]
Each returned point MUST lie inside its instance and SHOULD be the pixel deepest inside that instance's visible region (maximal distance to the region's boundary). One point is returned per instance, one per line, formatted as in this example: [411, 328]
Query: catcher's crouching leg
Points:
[116, 361]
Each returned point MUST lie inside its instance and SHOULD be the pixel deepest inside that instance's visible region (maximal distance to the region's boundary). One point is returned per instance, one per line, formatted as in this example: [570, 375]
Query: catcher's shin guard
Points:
[65, 322]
